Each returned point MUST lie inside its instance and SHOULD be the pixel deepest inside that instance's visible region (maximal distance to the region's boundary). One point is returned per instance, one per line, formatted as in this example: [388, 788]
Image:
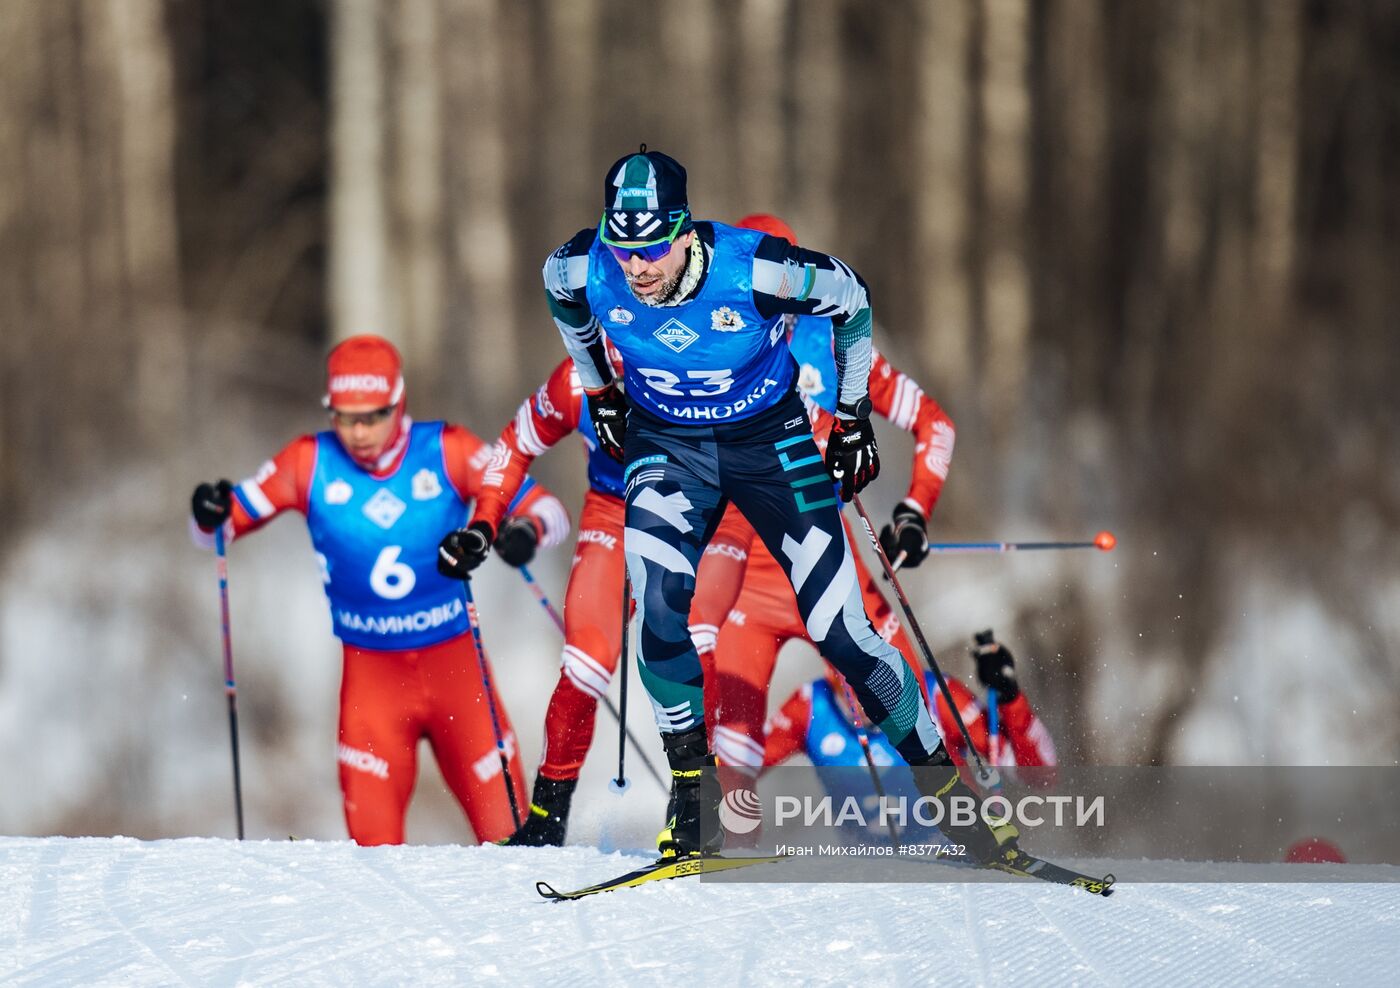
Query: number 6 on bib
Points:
[390, 578]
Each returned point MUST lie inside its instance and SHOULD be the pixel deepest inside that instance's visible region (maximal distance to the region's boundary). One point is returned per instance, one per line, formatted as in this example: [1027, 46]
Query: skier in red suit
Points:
[592, 601]
[817, 720]
[378, 490]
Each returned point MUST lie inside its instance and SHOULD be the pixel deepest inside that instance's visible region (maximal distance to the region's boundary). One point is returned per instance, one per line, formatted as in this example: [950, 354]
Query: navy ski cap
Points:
[644, 199]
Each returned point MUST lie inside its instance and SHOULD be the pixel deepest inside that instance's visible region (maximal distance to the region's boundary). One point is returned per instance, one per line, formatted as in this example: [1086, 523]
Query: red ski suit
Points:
[389, 699]
[593, 599]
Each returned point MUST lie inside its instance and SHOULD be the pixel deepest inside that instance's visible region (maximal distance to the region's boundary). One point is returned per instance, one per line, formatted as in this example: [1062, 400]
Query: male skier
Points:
[712, 416]
[592, 601]
[377, 490]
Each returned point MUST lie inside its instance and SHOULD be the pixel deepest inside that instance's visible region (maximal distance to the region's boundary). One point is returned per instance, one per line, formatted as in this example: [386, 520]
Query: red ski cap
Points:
[1314, 850]
[769, 224]
[363, 371]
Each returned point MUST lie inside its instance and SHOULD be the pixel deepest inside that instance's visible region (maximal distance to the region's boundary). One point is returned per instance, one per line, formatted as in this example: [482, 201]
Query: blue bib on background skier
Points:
[377, 541]
[707, 360]
[812, 348]
[832, 741]
[834, 745]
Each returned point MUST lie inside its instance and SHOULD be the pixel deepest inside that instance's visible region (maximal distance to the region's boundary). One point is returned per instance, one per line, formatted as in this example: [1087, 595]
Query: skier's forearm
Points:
[502, 481]
[583, 338]
[565, 277]
[933, 453]
[854, 354]
[897, 397]
[549, 514]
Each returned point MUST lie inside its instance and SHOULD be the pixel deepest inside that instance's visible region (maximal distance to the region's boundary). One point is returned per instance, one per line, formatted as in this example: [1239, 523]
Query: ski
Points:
[1029, 866]
[658, 871]
[1023, 866]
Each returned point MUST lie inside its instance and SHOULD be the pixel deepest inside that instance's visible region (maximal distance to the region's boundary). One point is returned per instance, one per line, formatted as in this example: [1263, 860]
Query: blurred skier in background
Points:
[817, 719]
[592, 601]
[377, 490]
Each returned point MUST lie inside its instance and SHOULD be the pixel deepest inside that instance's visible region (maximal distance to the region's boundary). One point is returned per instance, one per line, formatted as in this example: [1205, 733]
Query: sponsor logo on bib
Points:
[426, 485]
[726, 320]
[338, 492]
[809, 380]
[384, 508]
[676, 334]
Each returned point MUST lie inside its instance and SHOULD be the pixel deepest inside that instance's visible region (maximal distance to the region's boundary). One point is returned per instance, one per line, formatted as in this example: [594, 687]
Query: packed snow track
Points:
[97, 911]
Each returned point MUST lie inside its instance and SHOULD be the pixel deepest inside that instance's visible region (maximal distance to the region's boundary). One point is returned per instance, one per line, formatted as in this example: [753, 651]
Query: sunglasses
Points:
[651, 250]
[348, 419]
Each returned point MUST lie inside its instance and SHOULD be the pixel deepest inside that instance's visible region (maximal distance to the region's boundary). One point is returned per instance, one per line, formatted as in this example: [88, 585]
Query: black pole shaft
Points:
[621, 779]
[474, 620]
[858, 720]
[237, 779]
[230, 687]
[929, 660]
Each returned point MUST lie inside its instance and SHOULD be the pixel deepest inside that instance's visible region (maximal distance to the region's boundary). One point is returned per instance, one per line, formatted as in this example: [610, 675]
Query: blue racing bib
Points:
[710, 359]
[377, 542]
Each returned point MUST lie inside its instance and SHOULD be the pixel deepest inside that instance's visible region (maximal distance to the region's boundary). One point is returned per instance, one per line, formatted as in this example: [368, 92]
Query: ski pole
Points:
[620, 784]
[607, 700]
[983, 773]
[993, 727]
[538, 591]
[475, 622]
[981, 640]
[230, 688]
[858, 721]
[1104, 541]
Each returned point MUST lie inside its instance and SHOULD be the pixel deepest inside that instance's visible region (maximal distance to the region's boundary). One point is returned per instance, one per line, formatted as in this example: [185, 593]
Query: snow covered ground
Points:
[100, 911]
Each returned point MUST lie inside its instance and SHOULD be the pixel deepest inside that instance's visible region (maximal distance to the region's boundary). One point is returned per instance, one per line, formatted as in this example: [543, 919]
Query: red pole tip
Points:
[1105, 541]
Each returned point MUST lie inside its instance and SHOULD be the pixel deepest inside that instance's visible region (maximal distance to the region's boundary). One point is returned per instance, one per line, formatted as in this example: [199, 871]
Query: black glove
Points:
[517, 542]
[852, 456]
[907, 532]
[608, 409]
[995, 666]
[211, 504]
[464, 550]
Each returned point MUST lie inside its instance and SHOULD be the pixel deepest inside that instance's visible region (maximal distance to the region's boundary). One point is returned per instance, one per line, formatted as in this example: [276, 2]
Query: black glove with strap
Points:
[518, 540]
[464, 550]
[211, 504]
[906, 533]
[608, 410]
[995, 666]
[852, 455]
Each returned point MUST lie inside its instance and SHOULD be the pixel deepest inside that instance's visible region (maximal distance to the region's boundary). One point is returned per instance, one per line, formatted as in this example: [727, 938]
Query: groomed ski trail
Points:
[97, 911]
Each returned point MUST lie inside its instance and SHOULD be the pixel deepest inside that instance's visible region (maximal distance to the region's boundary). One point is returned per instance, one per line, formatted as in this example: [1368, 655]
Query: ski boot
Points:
[549, 815]
[986, 844]
[692, 813]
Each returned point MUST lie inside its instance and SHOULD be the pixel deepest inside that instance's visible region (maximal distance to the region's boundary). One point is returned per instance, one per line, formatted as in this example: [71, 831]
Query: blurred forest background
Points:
[1147, 255]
